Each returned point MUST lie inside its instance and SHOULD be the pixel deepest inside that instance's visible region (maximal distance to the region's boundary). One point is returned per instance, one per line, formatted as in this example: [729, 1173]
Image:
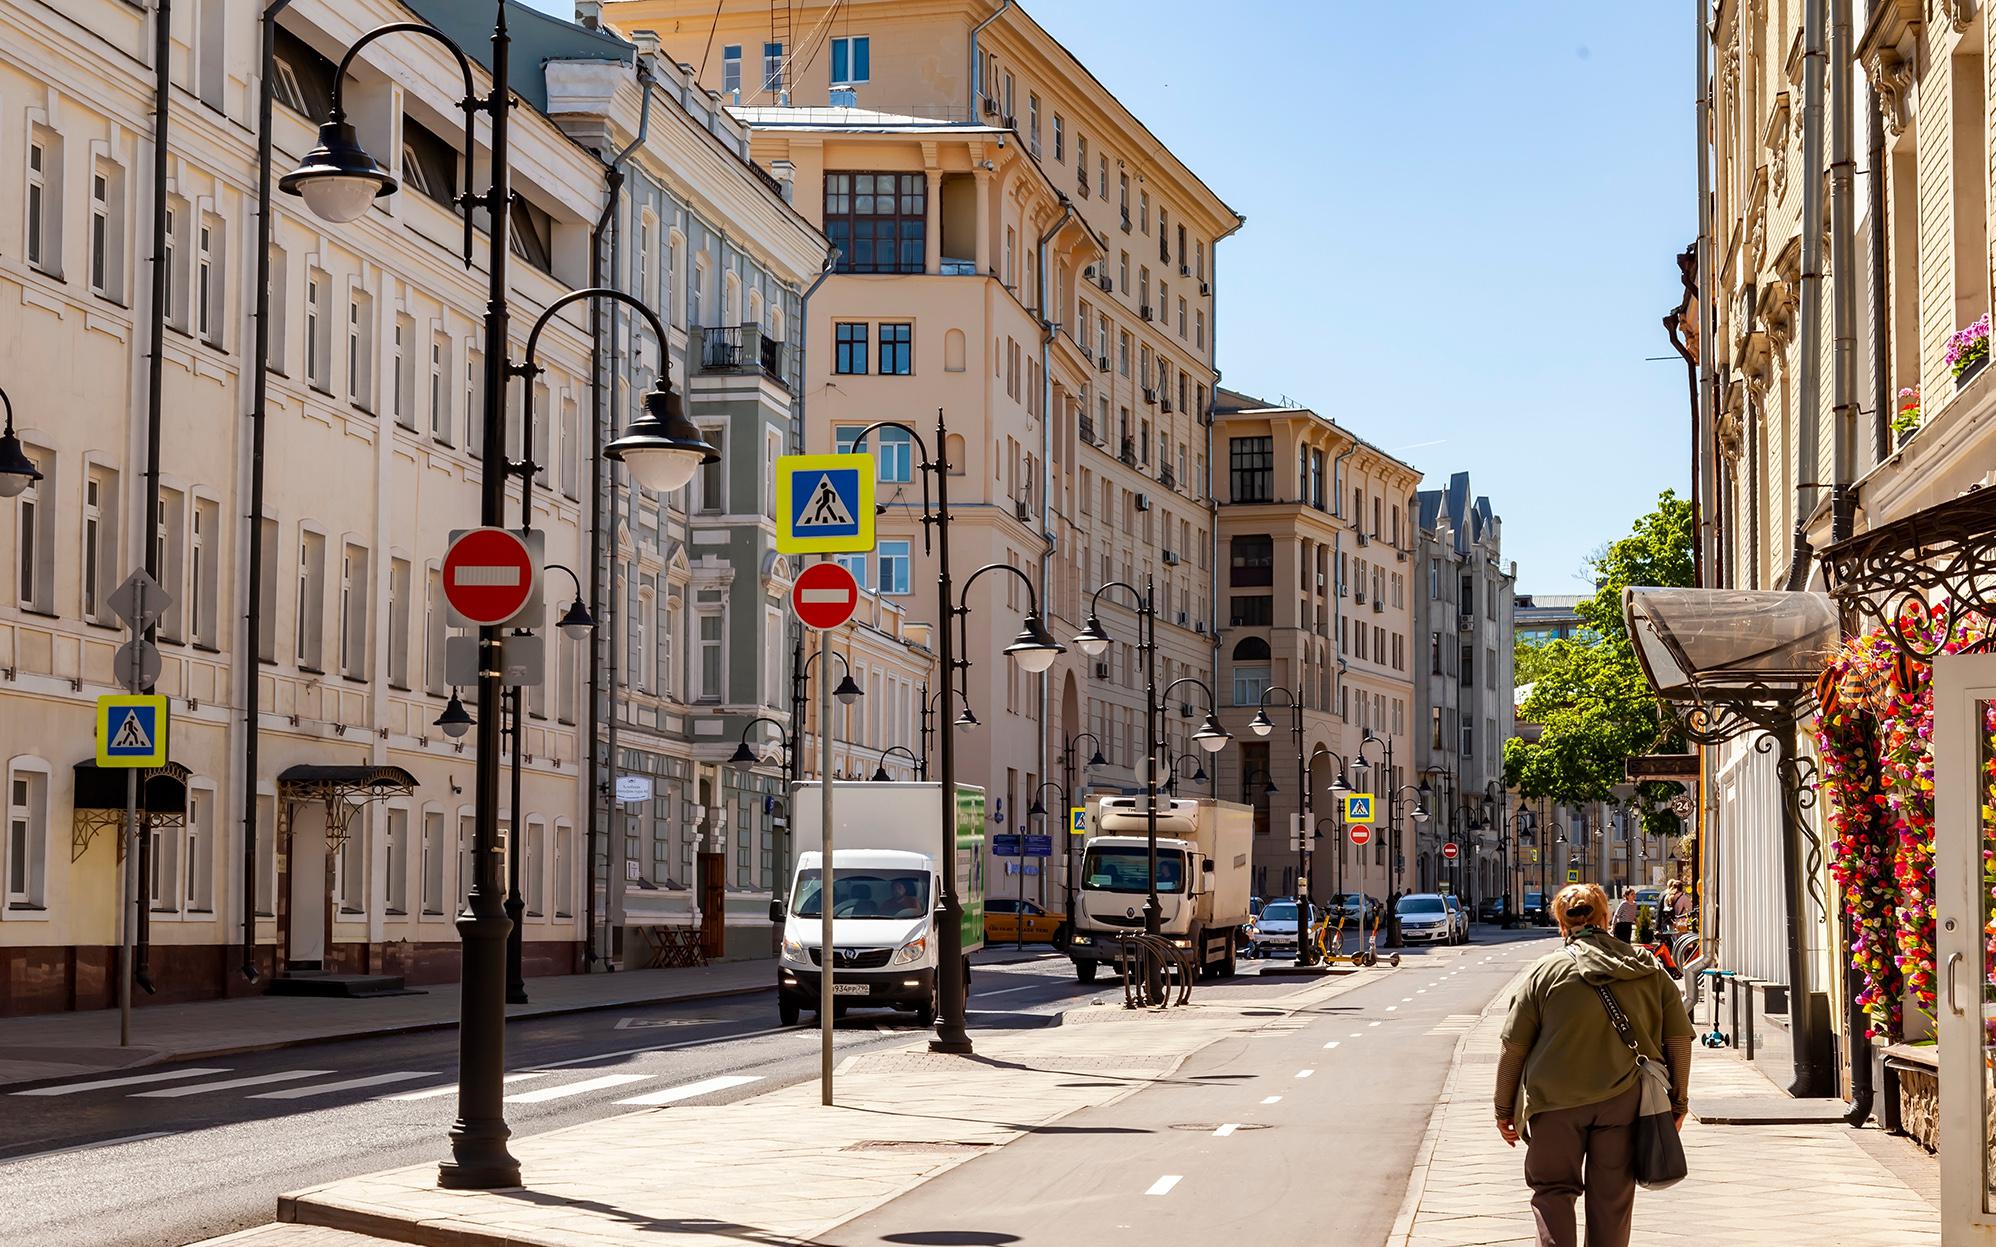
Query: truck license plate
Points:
[850, 989]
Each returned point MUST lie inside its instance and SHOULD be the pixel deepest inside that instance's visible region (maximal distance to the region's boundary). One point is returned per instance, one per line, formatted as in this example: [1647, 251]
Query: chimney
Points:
[785, 172]
[589, 14]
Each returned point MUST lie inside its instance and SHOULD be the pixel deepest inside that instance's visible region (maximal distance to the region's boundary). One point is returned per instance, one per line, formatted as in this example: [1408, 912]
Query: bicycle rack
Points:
[1148, 964]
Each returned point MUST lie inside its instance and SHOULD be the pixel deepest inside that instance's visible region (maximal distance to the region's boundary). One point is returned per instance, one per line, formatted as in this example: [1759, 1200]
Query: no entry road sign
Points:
[1360, 833]
[490, 575]
[1450, 850]
[824, 596]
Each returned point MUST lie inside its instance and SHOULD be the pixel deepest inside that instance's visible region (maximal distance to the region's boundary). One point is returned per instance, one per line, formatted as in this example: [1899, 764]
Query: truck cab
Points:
[1202, 880]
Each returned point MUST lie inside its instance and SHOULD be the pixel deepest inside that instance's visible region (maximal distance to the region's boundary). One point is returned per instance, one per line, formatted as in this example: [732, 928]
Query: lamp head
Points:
[966, 720]
[17, 471]
[1093, 639]
[455, 721]
[338, 179]
[848, 691]
[1199, 774]
[742, 756]
[880, 775]
[576, 622]
[662, 448]
[1096, 758]
[1260, 725]
[1339, 788]
[1211, 736]
[1036, 810]
[1034, 649]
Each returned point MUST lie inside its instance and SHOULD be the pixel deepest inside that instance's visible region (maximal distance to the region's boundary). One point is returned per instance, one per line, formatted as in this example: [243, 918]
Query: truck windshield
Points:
[1127, 870]
[866, 892]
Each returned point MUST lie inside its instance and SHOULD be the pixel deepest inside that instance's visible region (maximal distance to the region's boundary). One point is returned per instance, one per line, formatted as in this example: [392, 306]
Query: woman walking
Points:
[1580, 1085]
[1625, 916]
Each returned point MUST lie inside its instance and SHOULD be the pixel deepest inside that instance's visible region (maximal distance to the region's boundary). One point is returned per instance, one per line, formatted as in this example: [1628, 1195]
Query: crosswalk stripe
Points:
[565, 1090]
[450, 1088]
[230, 1084]
[350, 1084]
[71, 1088]
[704, 1087]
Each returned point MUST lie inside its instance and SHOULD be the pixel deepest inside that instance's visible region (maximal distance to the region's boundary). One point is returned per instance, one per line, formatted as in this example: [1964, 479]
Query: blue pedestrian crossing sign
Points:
[1358, 807]
[1077, 820]
[131, 731]
[824, 504]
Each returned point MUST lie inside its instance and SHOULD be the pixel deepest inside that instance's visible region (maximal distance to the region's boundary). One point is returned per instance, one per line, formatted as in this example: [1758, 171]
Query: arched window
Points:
[1251, 649]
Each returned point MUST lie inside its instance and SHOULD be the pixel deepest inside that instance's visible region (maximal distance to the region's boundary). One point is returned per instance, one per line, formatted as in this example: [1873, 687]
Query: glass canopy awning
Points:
[1701, 645]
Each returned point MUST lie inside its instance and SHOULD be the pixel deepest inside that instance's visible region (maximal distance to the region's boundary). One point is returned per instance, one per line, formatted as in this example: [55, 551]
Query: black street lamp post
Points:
[1068, 748]
[1039, 811]
[1384, 764]
[1093, 640]
[1428, 792]
[1524, 834]
[338, 180]
[1261, 725]
[1034, 649]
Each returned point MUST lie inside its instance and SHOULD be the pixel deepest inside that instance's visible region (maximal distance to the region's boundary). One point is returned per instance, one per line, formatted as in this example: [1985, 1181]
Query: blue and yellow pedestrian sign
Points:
[131, 731]
[824, 504]
[1573, 874]
[1077, 820]
[1358, 807]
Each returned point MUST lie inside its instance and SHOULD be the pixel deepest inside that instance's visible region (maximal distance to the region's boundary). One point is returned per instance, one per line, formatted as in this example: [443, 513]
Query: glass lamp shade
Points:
[1420, 813]
[576, 621]
[1339, 788]
[966, 720]
[455, 721]
[1034, 649]
[1199, 776]
[1211, 736]
[1260, 725]
[662, 448]
[17, 471]
[338, 179]
[1093, 639]
[848, 692]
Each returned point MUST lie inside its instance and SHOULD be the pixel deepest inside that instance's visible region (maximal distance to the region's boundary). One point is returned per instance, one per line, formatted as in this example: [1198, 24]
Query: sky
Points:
[1462, 229]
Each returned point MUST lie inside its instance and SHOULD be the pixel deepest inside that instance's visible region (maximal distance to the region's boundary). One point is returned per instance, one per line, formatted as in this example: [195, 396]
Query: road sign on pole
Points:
[824, 596]
[1005, 844]
[491, 576]
[1077, 820]
[1038, 846]
[1573, 874]
[1360, 833]
[131, 730]
[1358, 808]
[824, 503]
[139, 601]
[1451, 850]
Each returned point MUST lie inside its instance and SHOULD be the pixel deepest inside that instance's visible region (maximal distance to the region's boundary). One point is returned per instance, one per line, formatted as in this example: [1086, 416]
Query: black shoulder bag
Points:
[1659, 1153]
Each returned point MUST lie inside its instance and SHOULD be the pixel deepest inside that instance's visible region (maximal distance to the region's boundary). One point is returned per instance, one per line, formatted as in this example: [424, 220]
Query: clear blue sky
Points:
[1462, 221]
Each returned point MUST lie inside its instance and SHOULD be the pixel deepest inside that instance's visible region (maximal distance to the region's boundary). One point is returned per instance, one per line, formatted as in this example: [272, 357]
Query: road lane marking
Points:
[350, 1084]
[1304, 1073]
[706, 1086]
[1226, 1129]
[89, 1147]
[1332, 1044]
[1271, 1099]
[1163, 1185]
[683, 1043]
[230, 1084]
[431, 1093]
[1358, 1034]
[1371, 1024]
[100, 1084]
[1406, 1000]
[567, 1089]
[1008, 990]
[1389, 1009]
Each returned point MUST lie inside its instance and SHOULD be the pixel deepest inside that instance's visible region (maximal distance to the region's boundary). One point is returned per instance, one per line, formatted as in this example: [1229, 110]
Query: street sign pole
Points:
[129, 905]
[827, 1010]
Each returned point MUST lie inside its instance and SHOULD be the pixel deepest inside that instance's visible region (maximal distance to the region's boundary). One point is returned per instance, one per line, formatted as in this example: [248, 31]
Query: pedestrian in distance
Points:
[1625, 916]
[1672, 908]
[1570, 1087]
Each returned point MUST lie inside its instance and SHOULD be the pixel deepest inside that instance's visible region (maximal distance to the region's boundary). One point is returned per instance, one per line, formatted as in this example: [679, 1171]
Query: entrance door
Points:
[307, 950]
[1964, 715]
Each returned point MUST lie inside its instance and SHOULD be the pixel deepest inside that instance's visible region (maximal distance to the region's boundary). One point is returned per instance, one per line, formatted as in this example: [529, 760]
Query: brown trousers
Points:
[1587, 1151]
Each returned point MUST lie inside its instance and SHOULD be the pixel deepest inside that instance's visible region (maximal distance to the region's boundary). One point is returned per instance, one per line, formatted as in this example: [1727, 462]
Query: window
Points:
[1252, 560]
[713, 686]
[34, 561]
[203, 560]
[44, 206]
[311, 603]
[429, 163]
[533, 869]
[850, 353]
[360, 350]
[395, 896]
[731, 70]
[1143, 211]
[897, 355]
[878, 221]
[318, 334]
[100, 540]
[858, 565]
[1199, 328]
[1060, 139]
[893, 567]
[1252, 610]
[350, 868]
[1033, 121]
[1123, 197]
[197, 893]
[208, 280]
[772, 67]
[398, 622]
[1081, 163]
[440, 388]
[273, 353]
[714, 476]
[893, 449]
[1251, 463]
[176, 215]
[474, 401]
[354, 596]
[571, 449]
[564, 872]
[107, 192]
[27, 839]
[1251, 671]
[404, 370]
[852, 60]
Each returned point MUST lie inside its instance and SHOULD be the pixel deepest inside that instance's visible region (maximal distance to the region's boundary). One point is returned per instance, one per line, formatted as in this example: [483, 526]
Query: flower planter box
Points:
[1970, 372]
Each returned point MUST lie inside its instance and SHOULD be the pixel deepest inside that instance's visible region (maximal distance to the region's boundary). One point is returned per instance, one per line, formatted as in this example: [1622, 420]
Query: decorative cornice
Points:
[1957, 14]
[1891, 76]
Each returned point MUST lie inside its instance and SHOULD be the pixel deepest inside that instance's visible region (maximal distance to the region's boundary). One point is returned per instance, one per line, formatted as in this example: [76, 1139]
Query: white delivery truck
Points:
[886, 898]
[1203, 874]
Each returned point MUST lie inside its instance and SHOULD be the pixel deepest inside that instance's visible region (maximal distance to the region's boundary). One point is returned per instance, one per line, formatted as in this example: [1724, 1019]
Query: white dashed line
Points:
[1371, 1024]
[1226, 1129]
[1271, 1099]
[132, 1081]
[544, 1094]
[431, 1093]
[174, 1093]
[672, 1095]
[1390, 1009]
[1304, 1073]
[1330, 1045]
[1163, 1185]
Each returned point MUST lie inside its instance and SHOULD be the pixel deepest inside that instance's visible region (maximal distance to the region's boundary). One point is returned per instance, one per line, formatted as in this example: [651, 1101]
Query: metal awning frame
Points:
[1939, 562]
[88, 817]
[344, 790]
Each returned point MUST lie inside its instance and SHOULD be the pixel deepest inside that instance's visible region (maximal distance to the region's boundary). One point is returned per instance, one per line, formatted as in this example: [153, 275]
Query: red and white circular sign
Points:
[1360, 833]
[824, 596]
[1450, 850]
[489, 575]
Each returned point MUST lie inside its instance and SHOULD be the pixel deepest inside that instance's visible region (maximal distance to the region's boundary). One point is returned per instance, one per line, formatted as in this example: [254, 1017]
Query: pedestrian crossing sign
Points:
[1077, 820]
[1573, 874]
[1358, 807]
[131, 731]
[824, 504]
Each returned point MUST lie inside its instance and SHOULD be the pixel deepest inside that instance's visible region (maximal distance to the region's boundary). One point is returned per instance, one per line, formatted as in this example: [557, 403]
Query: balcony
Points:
[737, 349]
[1129, 454]
[1086, 428]
[1167, 478]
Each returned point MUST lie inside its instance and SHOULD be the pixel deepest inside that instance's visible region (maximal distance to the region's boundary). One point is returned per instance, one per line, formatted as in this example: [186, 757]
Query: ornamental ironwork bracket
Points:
[344, 791]
[1919, 578]
[1772, 713]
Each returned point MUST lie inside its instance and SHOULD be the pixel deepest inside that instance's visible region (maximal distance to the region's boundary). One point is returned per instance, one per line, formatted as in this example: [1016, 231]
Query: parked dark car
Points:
[1533, 910]
[1490, 909]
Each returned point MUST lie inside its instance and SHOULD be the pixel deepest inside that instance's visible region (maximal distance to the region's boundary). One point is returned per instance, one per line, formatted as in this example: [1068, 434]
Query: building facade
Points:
[1317, 541]
[350, 848]
[1464, 602]
[1018, 253]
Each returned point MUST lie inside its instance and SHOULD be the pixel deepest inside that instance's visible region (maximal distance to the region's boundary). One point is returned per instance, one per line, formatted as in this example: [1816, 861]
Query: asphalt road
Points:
[1300, 1134]
[170, 1154]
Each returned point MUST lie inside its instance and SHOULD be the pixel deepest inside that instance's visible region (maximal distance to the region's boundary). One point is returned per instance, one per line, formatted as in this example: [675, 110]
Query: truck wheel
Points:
[787, 1010]
[925, 1015]
[1084, 971]
[1227, 963]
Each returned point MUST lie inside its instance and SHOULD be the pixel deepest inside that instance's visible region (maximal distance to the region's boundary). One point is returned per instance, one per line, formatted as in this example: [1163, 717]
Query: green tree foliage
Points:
[1589, 699]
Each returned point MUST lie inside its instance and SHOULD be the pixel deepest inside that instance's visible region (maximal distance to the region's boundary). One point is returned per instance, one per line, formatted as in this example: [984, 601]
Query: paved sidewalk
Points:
[63, 1045]
[781, 1168]
[1748, 1184]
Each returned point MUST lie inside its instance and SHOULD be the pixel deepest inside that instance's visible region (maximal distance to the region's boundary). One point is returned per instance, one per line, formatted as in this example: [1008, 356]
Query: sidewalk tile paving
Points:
[779, 1167]
[63, 1045]
[1748, 1184]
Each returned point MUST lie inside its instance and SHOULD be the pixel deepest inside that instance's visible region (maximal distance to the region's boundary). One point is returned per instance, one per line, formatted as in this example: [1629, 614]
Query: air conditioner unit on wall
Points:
[1102, 364]
[1143, 502]
[1101, 670]
[1171, 558]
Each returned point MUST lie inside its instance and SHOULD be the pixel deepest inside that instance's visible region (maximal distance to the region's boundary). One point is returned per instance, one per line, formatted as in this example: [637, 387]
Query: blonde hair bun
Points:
[1578, 905]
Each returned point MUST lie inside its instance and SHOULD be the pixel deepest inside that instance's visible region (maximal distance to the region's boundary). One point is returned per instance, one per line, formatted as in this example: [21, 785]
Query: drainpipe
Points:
[1704, 491]
[1809, 400]
[592, 779]
[977, 64]
[1882, 397]
[1843, 263]
[1048, 328]
[1338, 551]
[259, 400]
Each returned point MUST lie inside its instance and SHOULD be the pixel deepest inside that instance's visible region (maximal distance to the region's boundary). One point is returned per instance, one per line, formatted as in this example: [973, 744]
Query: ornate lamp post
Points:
[1261, 725]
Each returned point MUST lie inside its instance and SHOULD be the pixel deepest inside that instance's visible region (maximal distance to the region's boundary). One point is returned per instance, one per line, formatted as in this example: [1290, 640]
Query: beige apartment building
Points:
[1317, 537]
[1020, 253]
[360, 811]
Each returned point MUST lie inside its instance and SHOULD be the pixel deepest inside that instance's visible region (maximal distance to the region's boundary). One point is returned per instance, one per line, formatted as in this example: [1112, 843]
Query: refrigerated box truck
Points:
[1204, 851]
[887, 895]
